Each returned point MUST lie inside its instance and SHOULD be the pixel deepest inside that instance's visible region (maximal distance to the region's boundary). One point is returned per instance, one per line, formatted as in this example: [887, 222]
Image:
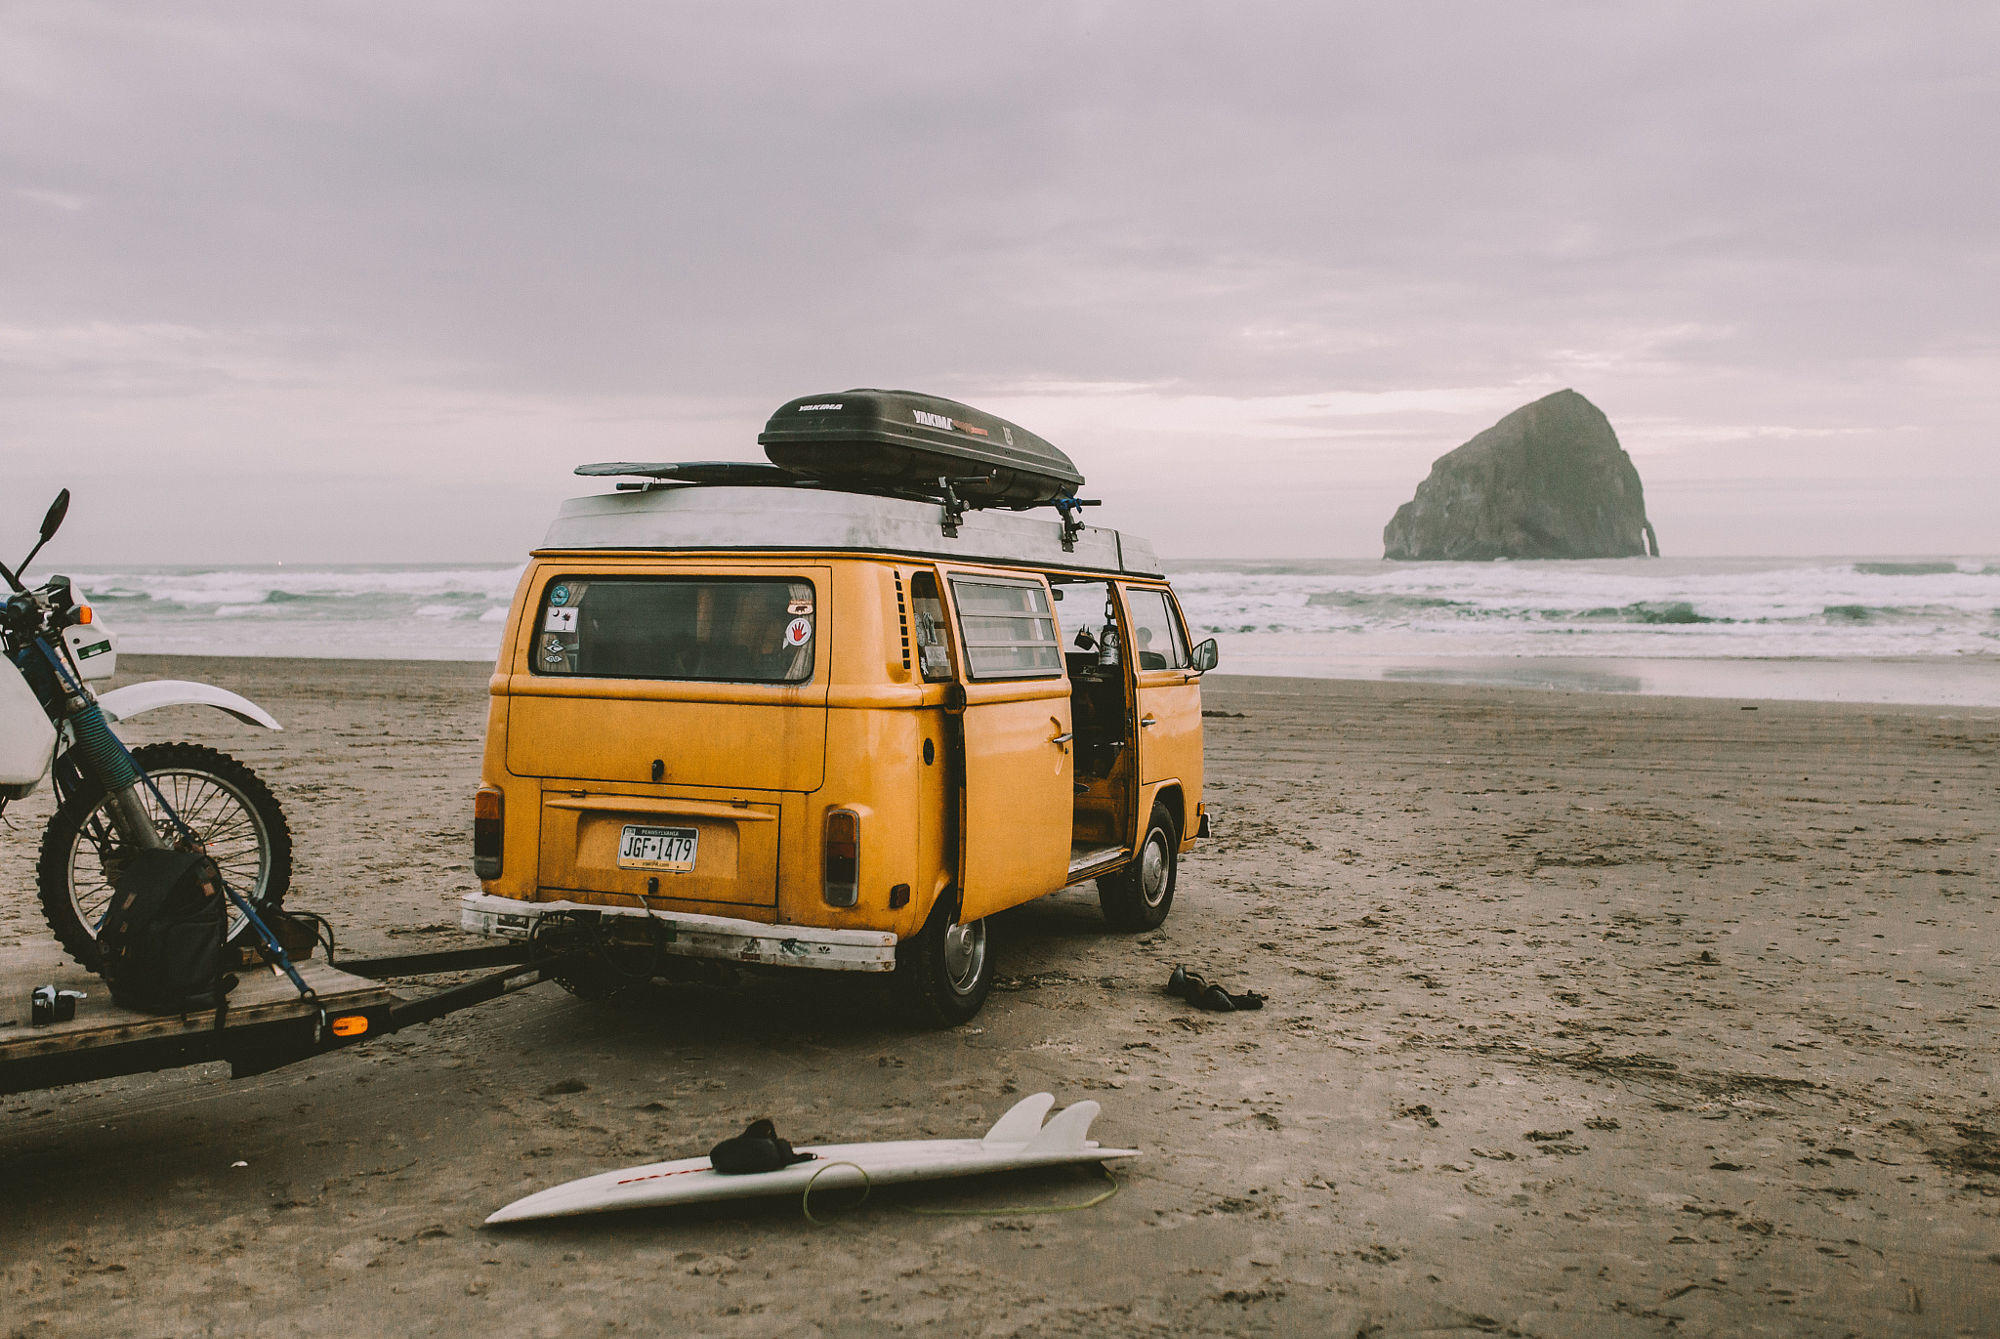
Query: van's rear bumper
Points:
[693, 936]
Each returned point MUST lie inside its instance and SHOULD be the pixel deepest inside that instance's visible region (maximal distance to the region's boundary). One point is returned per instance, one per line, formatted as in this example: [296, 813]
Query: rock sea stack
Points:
[1547, 481]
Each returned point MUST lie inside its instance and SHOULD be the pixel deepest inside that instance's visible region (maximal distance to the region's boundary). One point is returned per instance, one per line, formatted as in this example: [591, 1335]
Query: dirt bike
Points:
[111, 800]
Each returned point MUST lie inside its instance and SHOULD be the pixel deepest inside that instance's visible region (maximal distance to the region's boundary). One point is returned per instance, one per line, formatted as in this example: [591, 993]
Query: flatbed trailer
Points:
[267, 1022]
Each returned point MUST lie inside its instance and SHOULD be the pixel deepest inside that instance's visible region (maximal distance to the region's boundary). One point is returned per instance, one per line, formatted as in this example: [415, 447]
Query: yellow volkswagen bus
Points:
[838, 710]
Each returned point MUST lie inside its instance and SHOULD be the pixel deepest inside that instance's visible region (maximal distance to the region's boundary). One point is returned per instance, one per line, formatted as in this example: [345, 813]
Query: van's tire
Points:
[1139, 896]
[232, 812]
[945, 971]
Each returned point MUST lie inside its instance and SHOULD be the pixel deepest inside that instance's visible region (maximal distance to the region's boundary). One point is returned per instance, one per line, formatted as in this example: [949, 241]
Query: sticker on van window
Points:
[798, 632]
[560, 620]
[552, 651]
[799, 607]
[559, 595]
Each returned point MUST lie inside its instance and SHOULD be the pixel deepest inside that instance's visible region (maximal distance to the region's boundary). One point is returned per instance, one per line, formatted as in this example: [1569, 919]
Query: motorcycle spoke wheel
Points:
[228, 812]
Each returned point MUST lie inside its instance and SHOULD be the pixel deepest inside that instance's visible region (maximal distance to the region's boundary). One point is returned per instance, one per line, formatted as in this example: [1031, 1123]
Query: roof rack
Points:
[678, 516]
[899, 444]
[957, 495]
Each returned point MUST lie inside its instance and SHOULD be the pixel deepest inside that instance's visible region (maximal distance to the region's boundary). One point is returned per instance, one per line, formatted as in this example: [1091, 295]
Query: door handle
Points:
[1062, 739]
[1148, 720]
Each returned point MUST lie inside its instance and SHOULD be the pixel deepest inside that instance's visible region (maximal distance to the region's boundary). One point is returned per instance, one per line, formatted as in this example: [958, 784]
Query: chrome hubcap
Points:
[964, 955]
[1153, 869]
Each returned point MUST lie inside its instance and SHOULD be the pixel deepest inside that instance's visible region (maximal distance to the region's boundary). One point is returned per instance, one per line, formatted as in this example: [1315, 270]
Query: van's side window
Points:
[927, 613]
[1006, 627]
[1157, 642]
[702, 628]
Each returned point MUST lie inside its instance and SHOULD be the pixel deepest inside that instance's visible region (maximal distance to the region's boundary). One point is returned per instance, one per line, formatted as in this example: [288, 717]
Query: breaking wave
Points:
[1623, 607]
[415, 612]
[1913, 569]
[1673, 607]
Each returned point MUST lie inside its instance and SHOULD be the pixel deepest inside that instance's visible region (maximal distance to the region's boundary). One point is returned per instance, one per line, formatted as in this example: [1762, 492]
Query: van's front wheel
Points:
[943, 974]
[1139, 896]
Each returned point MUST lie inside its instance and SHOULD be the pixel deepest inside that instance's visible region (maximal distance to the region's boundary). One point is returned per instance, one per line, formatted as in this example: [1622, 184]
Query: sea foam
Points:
[1635, 607]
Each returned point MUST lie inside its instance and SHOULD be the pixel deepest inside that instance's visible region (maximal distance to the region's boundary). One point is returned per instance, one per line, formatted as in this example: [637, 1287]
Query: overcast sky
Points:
[363, 282]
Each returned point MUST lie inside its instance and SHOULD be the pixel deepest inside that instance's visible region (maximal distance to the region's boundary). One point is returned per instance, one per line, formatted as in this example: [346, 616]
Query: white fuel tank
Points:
[27, 740]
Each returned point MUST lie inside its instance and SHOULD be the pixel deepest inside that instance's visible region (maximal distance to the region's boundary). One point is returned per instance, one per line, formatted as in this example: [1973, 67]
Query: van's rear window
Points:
[716, 629]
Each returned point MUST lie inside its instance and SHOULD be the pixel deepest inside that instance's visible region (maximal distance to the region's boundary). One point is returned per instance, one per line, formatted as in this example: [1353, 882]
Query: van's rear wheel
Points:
[944, 972]
[1139, 896]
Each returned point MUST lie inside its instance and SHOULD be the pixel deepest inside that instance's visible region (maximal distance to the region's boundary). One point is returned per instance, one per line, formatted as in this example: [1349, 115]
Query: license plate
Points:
[657, 848]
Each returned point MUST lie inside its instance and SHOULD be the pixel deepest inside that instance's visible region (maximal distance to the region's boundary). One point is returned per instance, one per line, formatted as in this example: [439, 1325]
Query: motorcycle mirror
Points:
[53, 521]
[57, 510]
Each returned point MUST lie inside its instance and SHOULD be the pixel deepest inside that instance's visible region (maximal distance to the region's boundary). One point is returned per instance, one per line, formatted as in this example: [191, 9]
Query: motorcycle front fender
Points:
[121, 704]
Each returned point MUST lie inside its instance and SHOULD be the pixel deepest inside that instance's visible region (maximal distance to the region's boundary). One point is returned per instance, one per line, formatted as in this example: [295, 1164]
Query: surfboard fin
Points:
[1068, 1131]
[1022, 1122]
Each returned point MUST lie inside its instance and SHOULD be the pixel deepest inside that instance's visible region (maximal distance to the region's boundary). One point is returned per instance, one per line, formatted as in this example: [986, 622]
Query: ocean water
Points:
[386, 612]
[1645, 607]
[1912, 630]
[1880, 629]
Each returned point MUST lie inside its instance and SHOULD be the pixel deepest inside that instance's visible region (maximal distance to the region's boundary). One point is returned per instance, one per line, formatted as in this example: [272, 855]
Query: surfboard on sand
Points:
[1017, 1139]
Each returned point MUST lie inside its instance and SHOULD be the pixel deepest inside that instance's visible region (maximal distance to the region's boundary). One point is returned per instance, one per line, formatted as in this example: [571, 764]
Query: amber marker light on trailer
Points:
[488, 808]
[349, 1025]
[842, 887]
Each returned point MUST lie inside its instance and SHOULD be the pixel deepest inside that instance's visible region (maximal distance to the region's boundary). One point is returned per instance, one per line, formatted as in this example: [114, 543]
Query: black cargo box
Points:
[902, 441]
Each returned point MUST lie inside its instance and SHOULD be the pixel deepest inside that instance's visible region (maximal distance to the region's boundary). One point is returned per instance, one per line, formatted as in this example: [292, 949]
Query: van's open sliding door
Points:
[1019, 758]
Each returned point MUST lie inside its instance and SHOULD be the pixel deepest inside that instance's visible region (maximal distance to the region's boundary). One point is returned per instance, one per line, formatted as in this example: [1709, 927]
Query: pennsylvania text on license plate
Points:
[657, 848]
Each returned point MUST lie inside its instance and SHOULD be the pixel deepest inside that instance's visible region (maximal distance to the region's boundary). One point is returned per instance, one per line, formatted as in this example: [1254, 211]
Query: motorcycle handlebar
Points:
[27, 612]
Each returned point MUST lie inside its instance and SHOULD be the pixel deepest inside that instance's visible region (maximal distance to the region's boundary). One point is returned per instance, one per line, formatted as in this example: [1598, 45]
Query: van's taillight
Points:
[488, 808]
[843, 858]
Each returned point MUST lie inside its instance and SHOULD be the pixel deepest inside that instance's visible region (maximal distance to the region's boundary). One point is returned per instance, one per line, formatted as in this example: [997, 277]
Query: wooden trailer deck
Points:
[266, 1023]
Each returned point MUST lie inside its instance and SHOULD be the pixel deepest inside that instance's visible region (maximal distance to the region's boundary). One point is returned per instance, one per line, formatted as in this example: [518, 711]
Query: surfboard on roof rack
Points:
[735, 473]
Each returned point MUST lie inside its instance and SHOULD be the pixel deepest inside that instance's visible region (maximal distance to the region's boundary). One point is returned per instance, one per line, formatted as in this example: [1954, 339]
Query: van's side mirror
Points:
[1204, 657]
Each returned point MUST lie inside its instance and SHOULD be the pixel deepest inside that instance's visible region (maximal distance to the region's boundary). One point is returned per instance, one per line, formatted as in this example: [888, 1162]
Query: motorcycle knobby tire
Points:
[63, 905]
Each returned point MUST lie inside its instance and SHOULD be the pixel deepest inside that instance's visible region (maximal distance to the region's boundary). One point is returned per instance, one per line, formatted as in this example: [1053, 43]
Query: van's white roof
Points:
[725, 517]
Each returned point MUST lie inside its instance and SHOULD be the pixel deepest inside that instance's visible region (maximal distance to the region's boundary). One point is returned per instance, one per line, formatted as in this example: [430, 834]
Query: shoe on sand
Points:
[757, 1149]
[1205, 994]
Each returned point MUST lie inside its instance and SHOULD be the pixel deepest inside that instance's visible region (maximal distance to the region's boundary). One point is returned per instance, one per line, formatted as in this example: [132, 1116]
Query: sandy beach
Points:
[1589, 1015]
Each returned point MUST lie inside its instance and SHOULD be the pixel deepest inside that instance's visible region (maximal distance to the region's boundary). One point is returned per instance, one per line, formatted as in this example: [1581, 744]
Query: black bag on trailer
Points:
[162, 938]
[903, 441]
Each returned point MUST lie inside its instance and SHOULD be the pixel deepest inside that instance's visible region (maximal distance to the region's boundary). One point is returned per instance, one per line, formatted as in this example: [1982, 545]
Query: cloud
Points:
[1294, 234]
[50, 199]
